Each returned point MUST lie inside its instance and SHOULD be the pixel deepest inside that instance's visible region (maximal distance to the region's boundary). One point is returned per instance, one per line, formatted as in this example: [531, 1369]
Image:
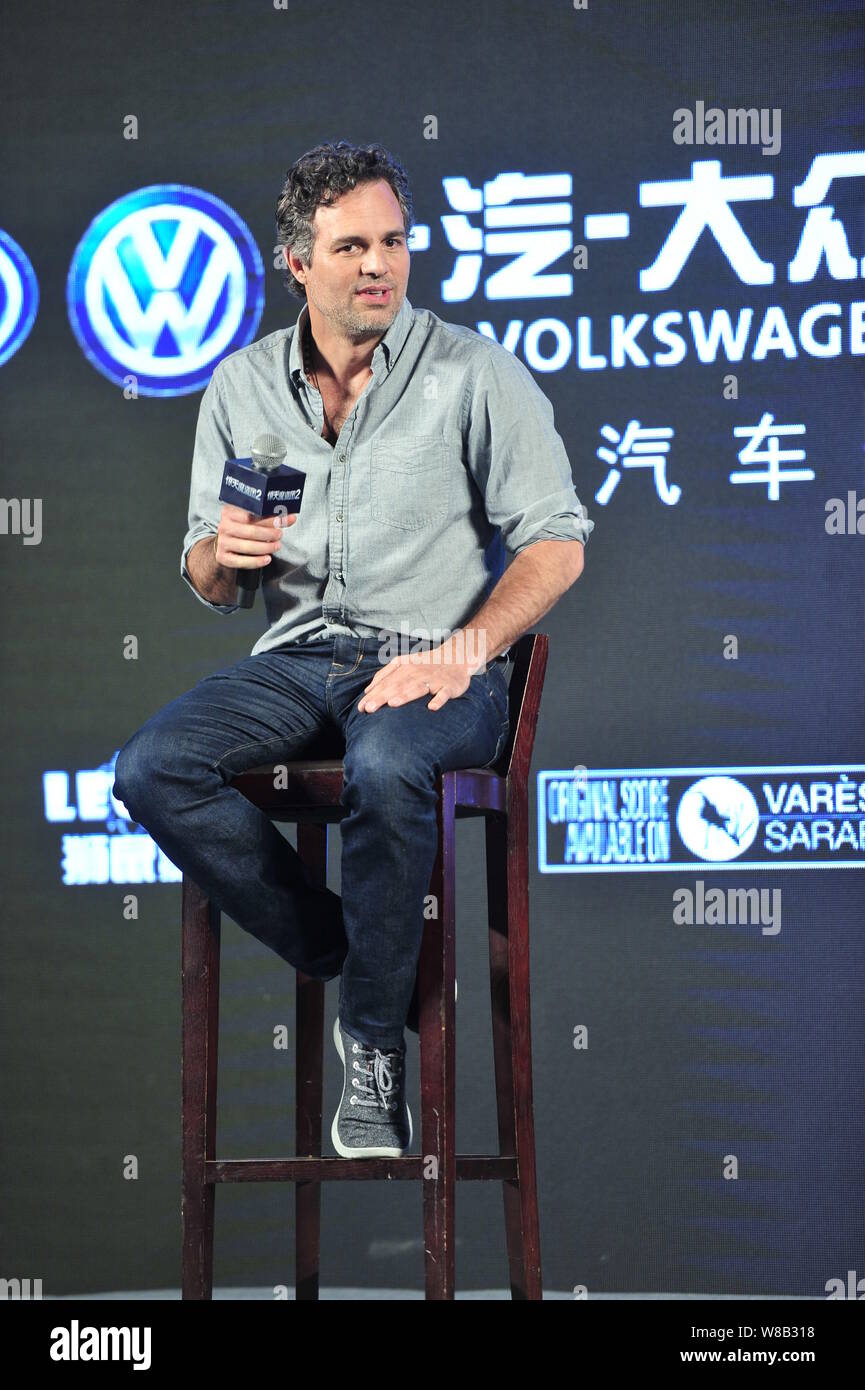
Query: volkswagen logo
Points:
[164, 283]
[19, 296]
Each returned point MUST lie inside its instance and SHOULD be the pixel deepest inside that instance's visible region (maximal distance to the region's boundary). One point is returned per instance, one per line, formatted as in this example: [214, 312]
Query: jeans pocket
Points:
[498, 688]
[501, 742]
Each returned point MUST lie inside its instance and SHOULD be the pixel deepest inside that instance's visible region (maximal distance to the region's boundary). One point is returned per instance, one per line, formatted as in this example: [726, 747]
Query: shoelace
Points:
[381, 1068]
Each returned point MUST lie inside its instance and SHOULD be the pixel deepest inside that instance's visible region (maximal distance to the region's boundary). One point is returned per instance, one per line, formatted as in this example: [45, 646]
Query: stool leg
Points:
[436, 969]
[508, 912]
[309, 1044]
[200, 932]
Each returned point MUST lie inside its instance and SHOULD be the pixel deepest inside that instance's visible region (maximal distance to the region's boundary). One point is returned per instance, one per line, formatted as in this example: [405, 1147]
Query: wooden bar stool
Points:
[311, 800]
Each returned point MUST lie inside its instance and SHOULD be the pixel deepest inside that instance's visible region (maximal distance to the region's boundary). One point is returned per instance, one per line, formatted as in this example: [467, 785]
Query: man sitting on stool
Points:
[427, 448]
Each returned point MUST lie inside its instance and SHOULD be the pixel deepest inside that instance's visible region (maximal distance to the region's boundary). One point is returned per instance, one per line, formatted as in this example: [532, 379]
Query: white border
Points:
[697, 865]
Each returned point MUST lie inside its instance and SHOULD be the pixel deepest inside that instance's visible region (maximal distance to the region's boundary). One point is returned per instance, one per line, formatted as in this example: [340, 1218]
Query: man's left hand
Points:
[413, 676]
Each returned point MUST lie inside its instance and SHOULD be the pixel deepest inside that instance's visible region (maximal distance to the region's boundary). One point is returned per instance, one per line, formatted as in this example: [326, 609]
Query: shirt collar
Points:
[387, 349]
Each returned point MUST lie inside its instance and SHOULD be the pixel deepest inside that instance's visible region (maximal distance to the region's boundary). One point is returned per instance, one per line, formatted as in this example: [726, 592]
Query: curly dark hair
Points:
[320, 176]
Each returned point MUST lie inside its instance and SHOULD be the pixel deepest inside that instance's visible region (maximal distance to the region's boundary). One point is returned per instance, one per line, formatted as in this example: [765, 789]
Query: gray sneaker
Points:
[373, 1119]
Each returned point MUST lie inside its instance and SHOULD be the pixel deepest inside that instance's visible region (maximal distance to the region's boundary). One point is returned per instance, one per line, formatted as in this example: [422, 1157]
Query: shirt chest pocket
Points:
[409, 482]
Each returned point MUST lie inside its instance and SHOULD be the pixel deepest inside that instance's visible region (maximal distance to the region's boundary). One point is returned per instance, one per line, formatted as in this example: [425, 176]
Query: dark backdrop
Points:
[703, 1041]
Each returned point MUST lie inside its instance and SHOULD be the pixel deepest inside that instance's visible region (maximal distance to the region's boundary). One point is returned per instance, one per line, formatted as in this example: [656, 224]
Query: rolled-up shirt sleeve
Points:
[212, 447]
[517, 457]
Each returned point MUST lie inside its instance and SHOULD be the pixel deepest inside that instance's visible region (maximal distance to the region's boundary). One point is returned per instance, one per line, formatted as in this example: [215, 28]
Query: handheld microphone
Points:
[267, 452]
[264, 485]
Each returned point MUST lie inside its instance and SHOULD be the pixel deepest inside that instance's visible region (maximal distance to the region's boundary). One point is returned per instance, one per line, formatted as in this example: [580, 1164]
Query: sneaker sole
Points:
[370, 1151]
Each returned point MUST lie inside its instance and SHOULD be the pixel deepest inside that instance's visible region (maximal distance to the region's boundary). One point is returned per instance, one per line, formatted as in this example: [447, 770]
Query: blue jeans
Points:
[173, 778]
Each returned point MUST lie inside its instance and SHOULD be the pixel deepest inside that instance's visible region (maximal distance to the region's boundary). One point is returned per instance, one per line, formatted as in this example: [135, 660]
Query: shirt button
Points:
[342, 458]
[339, 516]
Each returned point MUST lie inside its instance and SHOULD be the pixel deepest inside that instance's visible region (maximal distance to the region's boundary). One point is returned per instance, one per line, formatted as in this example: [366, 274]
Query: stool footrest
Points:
[469, 1167]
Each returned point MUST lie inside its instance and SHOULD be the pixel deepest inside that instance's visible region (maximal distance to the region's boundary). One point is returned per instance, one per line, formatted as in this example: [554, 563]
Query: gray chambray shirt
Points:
[449, 453]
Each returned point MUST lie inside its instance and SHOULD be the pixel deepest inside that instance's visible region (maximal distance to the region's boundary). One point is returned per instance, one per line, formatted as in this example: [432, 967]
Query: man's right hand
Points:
[245, 541]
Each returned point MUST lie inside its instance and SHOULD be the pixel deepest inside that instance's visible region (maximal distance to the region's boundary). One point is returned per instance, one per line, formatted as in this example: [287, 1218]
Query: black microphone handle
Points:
[247, 587]
[249, 580]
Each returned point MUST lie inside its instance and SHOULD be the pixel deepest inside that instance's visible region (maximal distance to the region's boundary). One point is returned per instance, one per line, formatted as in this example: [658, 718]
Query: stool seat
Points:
[308, 794]
[306, 788]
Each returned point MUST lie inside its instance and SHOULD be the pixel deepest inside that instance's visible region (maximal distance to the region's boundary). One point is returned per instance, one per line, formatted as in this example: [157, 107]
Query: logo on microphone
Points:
[19, 296]
[164, 283]
[245, 488]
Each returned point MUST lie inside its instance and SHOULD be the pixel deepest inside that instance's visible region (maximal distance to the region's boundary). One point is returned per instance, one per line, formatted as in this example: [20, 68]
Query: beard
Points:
[361, 323]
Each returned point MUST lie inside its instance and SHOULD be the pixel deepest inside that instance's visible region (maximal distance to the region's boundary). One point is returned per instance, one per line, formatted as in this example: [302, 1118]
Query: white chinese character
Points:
[541, 233]
[705, 200]
[638, 447]
[823, 234]
[84, 858]
[166, 871]
[132, 859]
[773, 455]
